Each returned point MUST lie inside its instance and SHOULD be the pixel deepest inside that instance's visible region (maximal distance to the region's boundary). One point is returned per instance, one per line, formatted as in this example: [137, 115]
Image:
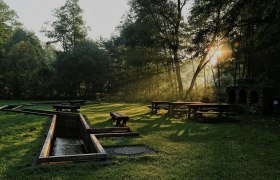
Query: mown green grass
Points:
[186, 149]
[20, 137]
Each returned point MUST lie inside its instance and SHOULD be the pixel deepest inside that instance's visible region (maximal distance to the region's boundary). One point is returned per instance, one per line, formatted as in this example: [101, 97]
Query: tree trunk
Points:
[178, 73]
[200, 66]
[213, 75]
[235, 72]
[192, 82]
[172, 86]
[205, 81]
[195, 84]
[219, 77]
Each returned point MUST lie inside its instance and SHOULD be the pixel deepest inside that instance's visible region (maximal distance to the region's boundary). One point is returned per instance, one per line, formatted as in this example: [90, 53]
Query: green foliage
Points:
[166, 17]
[7, 22]
[69, 27]
[257, 36]
[30, 70]
[149, 58]
[84, 72]
[24, 64]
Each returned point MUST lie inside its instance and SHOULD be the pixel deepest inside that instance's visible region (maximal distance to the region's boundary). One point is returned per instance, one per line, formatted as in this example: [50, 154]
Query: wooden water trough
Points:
[75, 126]
[71, 138]
[65, 127]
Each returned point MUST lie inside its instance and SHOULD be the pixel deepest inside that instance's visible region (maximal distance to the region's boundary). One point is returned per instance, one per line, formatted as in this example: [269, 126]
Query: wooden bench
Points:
[181, 111]
[120, 119]
[60, 107]
[158, 107]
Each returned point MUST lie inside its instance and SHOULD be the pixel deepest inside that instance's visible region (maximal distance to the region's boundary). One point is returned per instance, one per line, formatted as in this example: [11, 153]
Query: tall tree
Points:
[211, 22]
[166, 16]
[69, 27]
[82, 73]
[23, 62]
[7, 22]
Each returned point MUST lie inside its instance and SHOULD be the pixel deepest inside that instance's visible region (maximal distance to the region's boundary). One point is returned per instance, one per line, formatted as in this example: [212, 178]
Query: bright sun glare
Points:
[216, 55]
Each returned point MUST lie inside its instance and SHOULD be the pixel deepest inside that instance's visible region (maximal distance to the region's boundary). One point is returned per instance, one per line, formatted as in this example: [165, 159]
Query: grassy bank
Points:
[186, 149]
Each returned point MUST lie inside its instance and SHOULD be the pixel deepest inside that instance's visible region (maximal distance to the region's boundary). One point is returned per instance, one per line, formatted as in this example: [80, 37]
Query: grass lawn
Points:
[186, 149]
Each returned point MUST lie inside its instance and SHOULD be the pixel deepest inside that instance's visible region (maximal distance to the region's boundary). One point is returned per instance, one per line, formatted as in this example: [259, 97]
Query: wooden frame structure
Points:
[45, 156]
[88, 133]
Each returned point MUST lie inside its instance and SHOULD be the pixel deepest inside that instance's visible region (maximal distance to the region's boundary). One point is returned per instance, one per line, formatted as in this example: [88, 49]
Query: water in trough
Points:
[67, 146]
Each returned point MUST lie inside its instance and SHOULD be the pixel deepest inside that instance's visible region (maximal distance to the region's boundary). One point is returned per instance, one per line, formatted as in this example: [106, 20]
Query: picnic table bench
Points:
[198, 109]
[60, 107]
[179, 107]
[120, 119]
[75, 102]
[156, 105]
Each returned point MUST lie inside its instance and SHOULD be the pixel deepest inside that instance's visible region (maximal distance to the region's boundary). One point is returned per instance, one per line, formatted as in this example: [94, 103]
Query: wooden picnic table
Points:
[201, 108]
[60, 107]
[179, 104]
[155, 105]
[74, 102]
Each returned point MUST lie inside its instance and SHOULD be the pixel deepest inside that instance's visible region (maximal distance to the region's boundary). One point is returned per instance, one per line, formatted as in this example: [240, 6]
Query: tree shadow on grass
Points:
[156, 123]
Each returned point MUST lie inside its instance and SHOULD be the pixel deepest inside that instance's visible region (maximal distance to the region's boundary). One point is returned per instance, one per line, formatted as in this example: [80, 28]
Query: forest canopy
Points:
[164, 50]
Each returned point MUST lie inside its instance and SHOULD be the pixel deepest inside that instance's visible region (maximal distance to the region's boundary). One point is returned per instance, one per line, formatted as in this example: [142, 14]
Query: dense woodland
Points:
[164, 49]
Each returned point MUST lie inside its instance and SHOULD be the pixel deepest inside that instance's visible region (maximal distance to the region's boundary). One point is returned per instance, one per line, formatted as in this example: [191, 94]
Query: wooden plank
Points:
[34, 113]
[215, 112]
[85, 124]
[27, 112]
[52, 112]
[115, 115]
[160, 102]
[117, 134]
[109, 129]
[60, 107]
[73, 158]
[181, 110]
[18, 106]
[73, 102]
[47, 145]
[38, 111]
[208, 112]
[97, 144]
[49, 102]
[3, 107]
[65, 106]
